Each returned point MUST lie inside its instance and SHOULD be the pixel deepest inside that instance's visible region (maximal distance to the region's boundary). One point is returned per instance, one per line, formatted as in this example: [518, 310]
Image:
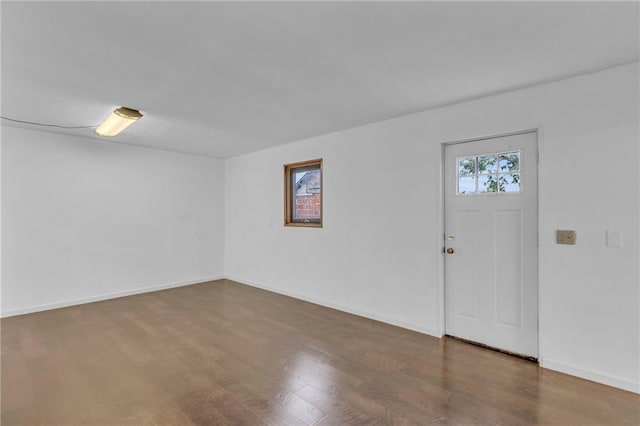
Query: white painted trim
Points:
[540, 158]
[533, 129]
[440, 244]
[339, 307]
[114, 295]
[592, 376]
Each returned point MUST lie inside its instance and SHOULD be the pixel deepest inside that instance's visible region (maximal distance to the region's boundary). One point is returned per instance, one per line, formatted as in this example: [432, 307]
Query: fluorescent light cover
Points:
[119, 120]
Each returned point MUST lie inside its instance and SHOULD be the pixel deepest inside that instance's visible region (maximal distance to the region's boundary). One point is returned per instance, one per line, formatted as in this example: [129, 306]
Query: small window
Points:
[303, 194]
[489, 174]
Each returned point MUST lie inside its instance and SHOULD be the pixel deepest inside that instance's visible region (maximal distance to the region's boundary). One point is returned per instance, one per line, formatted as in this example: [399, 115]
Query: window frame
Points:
[289, 195]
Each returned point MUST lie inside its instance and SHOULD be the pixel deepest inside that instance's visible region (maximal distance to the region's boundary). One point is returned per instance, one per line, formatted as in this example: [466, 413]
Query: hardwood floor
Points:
[223, 353]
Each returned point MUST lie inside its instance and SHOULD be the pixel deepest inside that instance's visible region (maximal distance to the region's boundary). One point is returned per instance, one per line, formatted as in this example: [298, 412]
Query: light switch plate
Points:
[614, 238]
[565, 236]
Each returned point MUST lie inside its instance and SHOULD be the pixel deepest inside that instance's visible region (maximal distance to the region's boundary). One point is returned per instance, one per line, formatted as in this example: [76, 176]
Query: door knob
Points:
[450, 250]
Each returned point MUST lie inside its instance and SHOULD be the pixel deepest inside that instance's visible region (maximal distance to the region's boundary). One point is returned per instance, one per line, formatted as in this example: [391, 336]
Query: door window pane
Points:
[467, 185]
[510, 183]
[509, 161]
[487, 183]
[467, 166]
[487, 164]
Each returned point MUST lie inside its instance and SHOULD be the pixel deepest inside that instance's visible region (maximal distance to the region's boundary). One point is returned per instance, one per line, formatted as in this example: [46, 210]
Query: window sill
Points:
[304, 225]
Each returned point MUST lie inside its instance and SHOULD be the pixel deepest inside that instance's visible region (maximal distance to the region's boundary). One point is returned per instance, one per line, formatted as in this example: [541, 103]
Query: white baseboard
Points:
[339, 307]
[590, 375]
[66, 303]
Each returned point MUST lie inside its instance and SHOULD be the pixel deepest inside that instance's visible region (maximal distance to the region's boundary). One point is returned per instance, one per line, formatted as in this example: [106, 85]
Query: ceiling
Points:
[223, 79]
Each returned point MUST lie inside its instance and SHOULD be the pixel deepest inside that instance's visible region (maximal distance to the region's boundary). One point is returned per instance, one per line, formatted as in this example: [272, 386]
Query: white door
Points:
[491, 229]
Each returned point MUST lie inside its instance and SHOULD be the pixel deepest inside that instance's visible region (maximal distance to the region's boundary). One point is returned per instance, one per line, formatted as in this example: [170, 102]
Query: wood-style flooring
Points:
[222, 353]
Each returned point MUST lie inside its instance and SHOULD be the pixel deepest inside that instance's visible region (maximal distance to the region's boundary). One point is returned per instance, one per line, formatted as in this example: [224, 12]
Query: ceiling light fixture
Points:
[119, 120]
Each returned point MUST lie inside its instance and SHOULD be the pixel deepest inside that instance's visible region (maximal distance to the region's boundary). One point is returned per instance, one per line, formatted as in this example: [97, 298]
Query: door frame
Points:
[538, 130]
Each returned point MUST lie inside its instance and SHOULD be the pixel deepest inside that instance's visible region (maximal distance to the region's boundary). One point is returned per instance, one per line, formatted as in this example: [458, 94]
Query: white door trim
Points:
[538, 129]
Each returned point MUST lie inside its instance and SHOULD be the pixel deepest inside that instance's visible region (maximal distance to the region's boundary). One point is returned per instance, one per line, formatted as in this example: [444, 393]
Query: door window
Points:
[489, 174]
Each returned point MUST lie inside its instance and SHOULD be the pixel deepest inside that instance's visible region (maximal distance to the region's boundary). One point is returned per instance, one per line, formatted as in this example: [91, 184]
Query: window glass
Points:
[307, 192]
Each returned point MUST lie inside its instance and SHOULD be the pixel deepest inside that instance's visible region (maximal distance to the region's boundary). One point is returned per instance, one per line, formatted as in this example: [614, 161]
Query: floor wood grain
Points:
[222, 353]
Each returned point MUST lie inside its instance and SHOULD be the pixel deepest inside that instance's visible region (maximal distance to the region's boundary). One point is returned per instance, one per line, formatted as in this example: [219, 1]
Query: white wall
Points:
[84, 219]
[379, 253]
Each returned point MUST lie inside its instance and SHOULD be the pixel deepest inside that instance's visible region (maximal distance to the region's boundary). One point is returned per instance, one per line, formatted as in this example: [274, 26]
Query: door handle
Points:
[450, 250]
